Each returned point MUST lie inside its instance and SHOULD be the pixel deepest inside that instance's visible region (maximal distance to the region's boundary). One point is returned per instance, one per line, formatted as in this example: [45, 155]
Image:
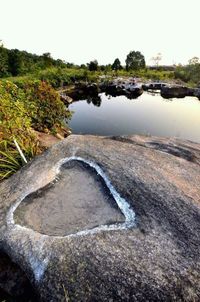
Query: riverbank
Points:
[39, 107]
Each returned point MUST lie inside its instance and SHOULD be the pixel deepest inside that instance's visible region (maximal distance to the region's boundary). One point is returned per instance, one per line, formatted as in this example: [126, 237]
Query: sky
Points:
[79, 31]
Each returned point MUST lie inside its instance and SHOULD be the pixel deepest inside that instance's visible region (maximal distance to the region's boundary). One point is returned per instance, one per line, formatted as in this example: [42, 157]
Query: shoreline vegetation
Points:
[32, 110]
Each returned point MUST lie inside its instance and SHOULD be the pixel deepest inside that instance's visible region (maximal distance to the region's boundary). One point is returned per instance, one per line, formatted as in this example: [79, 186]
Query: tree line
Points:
[14, 62]
[135, 60]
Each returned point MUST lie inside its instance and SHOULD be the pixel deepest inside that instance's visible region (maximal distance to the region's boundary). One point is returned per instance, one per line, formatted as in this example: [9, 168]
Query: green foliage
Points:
[14, 120]
[15, 62]
[3, 62]
[145, 74]
[21, 66]
[116, 65]
[189, 73]
[106, 68]
[135, 61]
[93, 65]
[10, 160]
[31, 104]
[57, 77]
[44, 106]
[14, 125]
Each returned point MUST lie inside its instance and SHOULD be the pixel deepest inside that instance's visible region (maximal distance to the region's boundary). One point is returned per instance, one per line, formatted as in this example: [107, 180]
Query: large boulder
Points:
[176, 91]
[138, 241]
[82, 91]
[128, 87]
[197, 93]
[154, 86]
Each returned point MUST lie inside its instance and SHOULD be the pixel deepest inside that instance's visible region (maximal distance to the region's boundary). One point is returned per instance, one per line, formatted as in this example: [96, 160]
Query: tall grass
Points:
[10, 160]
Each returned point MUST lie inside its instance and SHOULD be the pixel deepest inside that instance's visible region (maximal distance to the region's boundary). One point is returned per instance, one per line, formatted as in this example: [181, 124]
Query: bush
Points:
[15, 124]
[44, 106]
[14, 120]
[57, 77]
[35, 104]
[188, 73]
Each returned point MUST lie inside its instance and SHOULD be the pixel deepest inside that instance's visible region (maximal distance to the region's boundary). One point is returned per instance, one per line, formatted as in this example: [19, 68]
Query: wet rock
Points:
[154, 86]
[65, 98]
[157, 259]
[176, 91]
[79, 91]
[82, 91]
[128, 87]
[197, 93]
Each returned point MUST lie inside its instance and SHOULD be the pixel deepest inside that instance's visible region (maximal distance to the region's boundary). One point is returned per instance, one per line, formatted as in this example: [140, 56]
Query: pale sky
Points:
[79, 31]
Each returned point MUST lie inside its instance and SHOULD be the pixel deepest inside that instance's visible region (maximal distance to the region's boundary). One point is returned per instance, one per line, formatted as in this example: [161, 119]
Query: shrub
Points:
[44, 106]
[15, 124]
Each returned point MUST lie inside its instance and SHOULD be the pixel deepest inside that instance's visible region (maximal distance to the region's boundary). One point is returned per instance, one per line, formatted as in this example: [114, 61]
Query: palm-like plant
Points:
[10, 160]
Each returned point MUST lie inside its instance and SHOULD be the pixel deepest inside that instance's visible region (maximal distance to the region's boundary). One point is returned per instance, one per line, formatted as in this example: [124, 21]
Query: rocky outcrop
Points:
[127, 87]
[152, 256]
[178, 91]
[154, 86]
[82, 91]
[65, 98]
[197, 93]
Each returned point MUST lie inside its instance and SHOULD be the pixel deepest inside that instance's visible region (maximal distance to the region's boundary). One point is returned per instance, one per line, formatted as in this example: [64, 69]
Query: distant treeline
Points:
[163, 67]
[14, 62]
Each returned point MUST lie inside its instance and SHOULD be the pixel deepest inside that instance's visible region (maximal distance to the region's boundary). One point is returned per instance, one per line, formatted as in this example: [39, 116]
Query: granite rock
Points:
[156, 259]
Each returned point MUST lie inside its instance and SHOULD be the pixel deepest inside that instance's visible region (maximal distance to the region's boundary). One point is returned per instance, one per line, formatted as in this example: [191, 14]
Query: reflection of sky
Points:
[146, 115]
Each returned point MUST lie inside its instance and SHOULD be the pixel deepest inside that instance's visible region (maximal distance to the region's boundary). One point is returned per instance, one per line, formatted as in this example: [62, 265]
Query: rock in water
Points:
[156, 258]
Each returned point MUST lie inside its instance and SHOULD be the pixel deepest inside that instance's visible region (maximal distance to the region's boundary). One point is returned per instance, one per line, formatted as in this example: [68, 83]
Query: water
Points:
[148, 114]
[59, 209]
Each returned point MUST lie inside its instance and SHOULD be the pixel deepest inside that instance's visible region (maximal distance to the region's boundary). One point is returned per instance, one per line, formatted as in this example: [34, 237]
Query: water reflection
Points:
[153, 92]
[148, 114]
[96, 101]
[130, 95]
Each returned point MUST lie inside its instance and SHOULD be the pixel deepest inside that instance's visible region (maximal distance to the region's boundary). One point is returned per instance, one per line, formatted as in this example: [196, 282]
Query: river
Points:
[149, 114]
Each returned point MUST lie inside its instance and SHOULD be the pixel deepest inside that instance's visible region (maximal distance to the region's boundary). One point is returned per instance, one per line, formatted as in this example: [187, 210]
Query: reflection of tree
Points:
[129, 95]
[153, 92]
[95, 100]
[167, 99]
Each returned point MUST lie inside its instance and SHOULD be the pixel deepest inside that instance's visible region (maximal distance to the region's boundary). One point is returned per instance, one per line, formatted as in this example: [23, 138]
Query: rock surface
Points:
[156, 260]
[128, 87]
[177, 91]
[78, 200]
[154, 86]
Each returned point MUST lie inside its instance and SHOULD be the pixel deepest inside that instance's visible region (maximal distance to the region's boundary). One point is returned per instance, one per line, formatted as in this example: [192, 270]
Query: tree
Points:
[194, 61]
[135, 60]
[157, 59]
[116, 65]
[47, 59]
[193, 70]
[3, 60]
[190, 72]
[15, 62]
[93, 65]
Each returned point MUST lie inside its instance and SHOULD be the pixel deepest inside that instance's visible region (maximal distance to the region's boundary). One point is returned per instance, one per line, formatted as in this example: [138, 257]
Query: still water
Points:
[148, 114]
